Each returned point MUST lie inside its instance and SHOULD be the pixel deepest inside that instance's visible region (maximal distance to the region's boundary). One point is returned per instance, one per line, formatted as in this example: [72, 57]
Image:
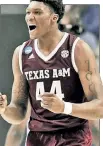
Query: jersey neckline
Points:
[48, 57]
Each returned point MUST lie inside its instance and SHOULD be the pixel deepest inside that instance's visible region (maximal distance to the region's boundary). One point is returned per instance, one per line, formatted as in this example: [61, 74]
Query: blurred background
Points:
[82, 20]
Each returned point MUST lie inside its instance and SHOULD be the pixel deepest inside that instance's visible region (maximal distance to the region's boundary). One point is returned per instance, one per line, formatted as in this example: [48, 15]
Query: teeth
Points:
[31, 27]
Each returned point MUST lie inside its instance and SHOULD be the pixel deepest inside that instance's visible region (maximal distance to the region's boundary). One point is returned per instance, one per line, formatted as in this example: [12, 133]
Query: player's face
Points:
[39, 19]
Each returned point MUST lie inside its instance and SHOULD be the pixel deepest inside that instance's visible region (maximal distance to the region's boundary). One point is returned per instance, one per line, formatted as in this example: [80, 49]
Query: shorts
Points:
[78, 137]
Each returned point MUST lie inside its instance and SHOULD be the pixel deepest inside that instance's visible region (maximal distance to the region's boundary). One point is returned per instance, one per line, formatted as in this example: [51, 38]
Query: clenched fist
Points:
[3, 103]
[52, 102]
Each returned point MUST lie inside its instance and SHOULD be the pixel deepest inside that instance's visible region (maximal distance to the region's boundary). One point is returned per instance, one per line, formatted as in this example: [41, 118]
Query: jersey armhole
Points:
[20, 56]
[72, 54]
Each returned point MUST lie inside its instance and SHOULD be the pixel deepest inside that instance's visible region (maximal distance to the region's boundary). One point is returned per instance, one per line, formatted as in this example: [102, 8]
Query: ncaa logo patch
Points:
[65, 53]
[28, 50]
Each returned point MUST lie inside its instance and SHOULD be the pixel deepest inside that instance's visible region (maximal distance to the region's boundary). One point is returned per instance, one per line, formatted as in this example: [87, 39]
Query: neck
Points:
[49, 41]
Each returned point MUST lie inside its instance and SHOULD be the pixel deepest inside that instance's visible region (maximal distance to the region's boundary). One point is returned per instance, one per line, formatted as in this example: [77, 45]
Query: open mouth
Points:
[32, 27]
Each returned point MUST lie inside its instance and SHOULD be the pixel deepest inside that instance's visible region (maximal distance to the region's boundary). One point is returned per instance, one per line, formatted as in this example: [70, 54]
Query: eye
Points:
[27, 12]
[38, 12]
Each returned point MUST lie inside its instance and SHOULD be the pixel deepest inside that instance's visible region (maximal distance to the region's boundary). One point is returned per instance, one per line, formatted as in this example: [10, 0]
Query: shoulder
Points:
[17, 55]
[18, 49]
[82, 53]
[82, 50]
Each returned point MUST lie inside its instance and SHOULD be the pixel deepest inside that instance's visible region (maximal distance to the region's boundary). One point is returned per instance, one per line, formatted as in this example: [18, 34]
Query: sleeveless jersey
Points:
[55, 73]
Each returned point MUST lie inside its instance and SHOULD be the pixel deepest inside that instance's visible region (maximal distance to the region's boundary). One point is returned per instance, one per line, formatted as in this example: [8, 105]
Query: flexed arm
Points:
[15, 112]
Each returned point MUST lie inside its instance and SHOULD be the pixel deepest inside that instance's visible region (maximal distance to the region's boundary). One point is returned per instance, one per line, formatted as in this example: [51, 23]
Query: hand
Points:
[52, 103]
[3, 103]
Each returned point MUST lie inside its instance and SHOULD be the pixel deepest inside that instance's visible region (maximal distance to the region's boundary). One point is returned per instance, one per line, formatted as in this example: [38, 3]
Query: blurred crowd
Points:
[84, 21]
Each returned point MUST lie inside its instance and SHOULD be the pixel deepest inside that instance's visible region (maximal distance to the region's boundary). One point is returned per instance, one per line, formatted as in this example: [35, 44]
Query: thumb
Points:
[4, 97]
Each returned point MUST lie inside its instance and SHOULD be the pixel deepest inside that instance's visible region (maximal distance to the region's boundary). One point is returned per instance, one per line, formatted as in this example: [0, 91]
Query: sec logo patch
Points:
[65, 53]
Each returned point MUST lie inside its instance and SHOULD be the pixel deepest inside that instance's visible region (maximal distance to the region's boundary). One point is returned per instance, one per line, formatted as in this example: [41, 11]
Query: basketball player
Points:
[58, 73]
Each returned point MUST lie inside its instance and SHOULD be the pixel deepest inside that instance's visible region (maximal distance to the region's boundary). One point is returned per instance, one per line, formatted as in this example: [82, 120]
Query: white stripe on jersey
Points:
[72, 54]
[20, 56]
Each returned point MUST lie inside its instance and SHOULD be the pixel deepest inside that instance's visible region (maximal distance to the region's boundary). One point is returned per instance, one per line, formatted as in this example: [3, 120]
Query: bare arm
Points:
[16, 133]
[91, 82]
[15, 112]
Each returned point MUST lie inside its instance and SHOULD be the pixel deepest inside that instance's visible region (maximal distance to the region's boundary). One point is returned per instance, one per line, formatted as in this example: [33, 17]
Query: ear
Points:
[55, 17]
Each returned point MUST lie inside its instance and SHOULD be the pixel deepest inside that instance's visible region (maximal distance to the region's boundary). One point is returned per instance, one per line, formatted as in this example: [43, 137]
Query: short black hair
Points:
[56, 5]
